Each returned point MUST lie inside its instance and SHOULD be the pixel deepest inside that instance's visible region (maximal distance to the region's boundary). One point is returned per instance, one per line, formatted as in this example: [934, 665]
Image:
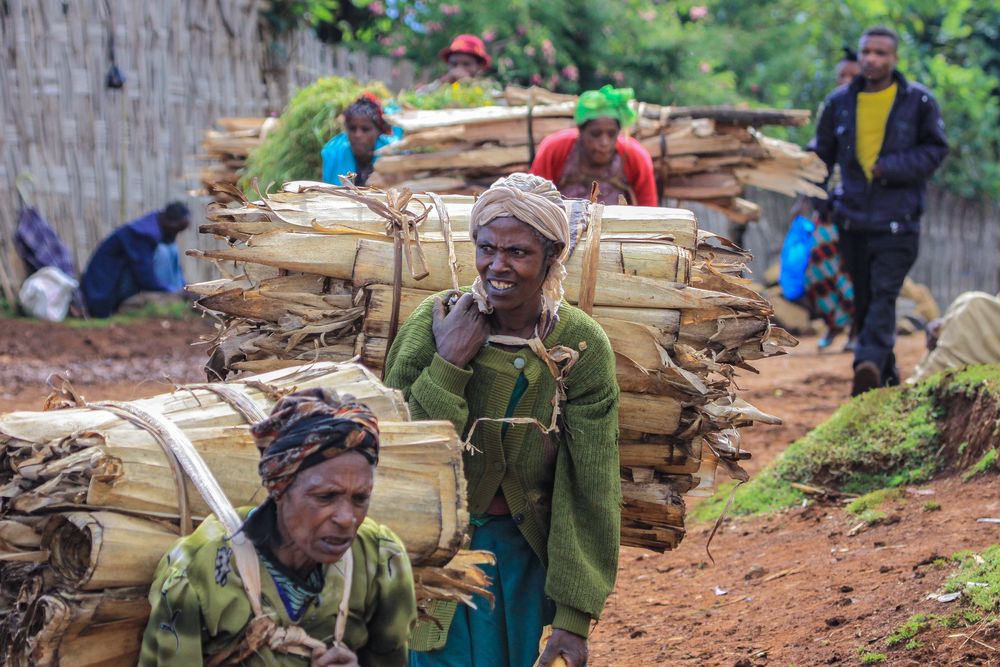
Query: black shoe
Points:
[866, 377]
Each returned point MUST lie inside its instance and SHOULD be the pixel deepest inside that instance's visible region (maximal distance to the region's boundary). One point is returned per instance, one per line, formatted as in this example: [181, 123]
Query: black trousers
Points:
[878, 263]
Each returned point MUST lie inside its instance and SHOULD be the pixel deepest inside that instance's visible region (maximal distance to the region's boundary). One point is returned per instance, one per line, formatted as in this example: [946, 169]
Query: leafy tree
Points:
[758, 52]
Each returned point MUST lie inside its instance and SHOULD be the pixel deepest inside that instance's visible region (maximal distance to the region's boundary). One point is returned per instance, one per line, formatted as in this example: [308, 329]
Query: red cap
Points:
[469, 44]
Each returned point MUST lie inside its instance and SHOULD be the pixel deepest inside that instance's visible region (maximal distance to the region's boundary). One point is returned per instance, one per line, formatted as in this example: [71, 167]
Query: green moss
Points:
[763, 493]
[872, 517]
[883, 439]
[914, 644]
[952, 621]
[932, 506]
[873, 500]
[869, 658]
[170, 311]
[907, 630]
[984, 465]
[978, 578]
[972, 379]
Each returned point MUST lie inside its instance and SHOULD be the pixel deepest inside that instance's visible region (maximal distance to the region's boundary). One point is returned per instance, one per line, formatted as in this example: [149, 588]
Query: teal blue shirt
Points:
[338, 159]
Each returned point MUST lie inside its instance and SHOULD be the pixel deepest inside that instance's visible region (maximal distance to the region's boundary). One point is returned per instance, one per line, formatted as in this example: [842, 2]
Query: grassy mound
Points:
[882, 439]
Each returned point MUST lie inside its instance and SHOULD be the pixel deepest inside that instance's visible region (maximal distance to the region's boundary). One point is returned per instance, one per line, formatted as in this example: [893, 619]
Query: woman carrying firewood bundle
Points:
[530, 381]
[353, 151]
[323, 584]
[597, 151]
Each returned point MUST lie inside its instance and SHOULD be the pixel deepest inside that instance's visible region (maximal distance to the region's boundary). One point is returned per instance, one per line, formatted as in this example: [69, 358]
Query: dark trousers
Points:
[877, 263]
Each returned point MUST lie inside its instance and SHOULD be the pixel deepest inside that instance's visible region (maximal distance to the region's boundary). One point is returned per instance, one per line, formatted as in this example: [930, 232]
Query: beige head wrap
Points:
[536, 202]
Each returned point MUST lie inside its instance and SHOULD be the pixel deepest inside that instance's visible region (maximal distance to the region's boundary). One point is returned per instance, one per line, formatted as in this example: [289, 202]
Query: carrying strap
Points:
[559, 360]
[591, 260]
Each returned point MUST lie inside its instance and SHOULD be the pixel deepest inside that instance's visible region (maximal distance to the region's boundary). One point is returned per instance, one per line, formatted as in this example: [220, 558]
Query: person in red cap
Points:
[466, 58]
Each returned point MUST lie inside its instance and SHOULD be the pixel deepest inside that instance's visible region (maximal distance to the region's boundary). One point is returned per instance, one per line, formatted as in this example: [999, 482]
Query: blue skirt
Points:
[507, 634]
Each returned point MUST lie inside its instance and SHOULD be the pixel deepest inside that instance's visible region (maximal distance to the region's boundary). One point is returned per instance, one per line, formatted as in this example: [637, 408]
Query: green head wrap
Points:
[607, 102]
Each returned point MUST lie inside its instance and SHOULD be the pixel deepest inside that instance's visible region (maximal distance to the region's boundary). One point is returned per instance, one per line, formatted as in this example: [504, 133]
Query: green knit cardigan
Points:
[564, 494]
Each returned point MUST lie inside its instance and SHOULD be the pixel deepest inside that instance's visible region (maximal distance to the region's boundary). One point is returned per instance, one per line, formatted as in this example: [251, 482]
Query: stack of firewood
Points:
[90, 502]
[310, 276]
[225, 151]
[704, 154]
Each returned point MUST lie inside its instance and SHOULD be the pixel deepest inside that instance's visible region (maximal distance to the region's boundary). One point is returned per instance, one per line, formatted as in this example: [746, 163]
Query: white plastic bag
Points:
[47, 293]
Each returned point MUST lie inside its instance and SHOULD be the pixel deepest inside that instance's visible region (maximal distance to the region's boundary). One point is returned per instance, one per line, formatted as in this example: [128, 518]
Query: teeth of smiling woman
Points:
[499, 284]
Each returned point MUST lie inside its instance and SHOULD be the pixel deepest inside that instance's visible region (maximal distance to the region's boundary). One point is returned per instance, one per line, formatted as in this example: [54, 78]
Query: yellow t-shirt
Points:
[873, 112]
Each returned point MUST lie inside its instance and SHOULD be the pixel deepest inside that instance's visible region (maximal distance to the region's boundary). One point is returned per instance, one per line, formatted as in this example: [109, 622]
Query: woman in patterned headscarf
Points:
[530, 381]
[316, 553]
[353, 151]
[596, 151]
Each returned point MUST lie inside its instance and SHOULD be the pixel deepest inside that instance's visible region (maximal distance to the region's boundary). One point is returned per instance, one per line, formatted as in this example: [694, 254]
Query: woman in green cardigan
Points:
[530, 381]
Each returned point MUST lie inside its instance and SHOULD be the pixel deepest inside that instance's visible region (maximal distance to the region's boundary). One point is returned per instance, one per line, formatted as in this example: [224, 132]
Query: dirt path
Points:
[797, 590]
[793, 588]
[119, 361]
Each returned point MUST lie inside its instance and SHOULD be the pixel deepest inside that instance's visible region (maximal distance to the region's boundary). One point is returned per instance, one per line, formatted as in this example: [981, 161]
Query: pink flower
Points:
[618, 76]
[450, 10]
[489, 35]
[553, 81]
[399, 52]
[529, 51]
[536, 79]
[385, 41]
[522, 30]
[549, 51]
[704, 67]
[507, 63]
[377, 8]
[754, 88]
[434, 26]
[648, 16]
[698, 12]
[571, 72]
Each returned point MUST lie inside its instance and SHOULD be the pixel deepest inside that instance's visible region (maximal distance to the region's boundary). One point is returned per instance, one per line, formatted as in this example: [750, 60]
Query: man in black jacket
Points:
[887, 135]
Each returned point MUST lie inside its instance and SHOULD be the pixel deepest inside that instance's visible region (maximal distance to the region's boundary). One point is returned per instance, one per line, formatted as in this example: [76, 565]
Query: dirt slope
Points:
[798, 590]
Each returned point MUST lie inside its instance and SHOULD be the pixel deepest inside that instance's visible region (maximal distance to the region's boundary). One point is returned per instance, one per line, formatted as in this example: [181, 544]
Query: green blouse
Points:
[199, 606]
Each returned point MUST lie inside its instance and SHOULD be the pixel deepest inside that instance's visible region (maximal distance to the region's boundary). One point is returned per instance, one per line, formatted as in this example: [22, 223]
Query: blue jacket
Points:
[914, 146]
[123, 265]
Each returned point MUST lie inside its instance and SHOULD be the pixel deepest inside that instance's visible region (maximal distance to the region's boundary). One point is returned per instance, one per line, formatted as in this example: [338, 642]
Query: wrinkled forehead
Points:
[504, 225]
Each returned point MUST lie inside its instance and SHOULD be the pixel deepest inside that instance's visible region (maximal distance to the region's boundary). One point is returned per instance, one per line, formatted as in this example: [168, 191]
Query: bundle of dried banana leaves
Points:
[704, 154]
[90, 502]
[310, 275]
[225, 150]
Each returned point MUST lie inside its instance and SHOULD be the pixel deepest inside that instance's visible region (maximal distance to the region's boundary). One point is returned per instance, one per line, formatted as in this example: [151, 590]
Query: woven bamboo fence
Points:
[959, 242]
[101, 157]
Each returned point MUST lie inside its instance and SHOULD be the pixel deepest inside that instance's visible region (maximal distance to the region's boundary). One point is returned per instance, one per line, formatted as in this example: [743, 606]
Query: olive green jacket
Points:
[199, 606]
[564, 495]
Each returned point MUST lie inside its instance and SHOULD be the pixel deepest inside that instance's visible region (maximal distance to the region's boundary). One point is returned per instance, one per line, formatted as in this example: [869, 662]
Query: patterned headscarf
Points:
[536, 202]
[368, 106]
[608, 102]
[308, 427]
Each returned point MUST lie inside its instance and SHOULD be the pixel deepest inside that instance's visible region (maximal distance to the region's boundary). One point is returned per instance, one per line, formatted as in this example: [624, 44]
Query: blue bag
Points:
[795, 257]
